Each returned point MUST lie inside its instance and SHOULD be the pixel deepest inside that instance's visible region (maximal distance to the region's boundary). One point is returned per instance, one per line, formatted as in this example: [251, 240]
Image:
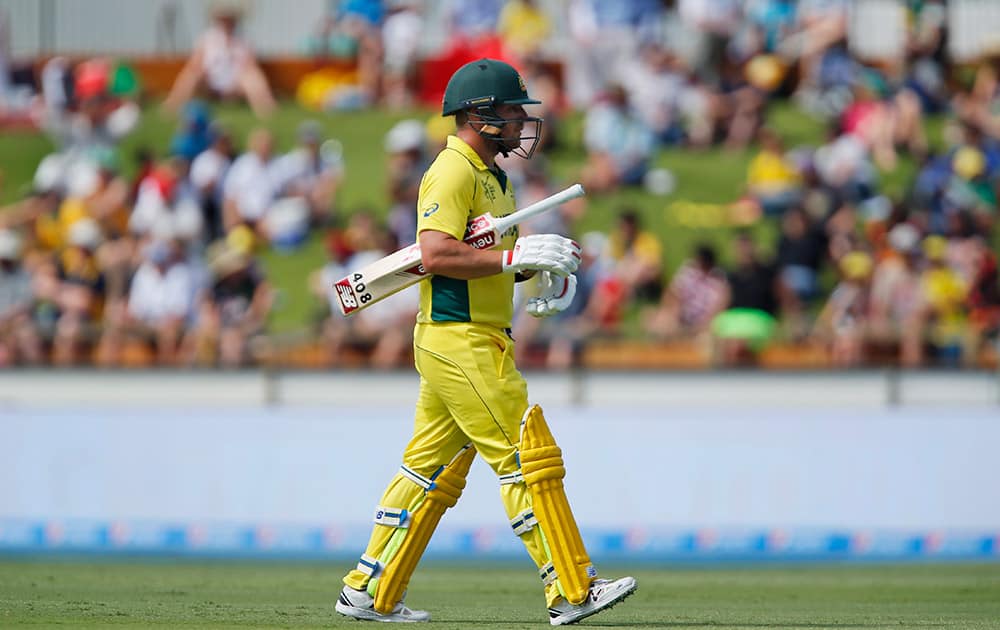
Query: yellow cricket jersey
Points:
[457, 187]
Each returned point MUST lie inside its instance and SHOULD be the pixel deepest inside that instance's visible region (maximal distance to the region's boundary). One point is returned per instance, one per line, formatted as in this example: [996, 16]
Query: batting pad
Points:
[443, 493]
[543, 471]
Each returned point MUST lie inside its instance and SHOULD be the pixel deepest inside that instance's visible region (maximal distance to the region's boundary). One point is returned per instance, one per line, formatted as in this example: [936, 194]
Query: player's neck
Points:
[484, 148]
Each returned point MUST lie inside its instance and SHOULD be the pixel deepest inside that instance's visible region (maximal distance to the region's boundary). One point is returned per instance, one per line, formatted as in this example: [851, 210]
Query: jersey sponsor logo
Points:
[431, 209]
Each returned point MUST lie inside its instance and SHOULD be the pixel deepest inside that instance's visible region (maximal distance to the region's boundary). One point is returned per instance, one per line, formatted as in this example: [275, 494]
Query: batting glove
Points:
[555, 294]
[543, 252]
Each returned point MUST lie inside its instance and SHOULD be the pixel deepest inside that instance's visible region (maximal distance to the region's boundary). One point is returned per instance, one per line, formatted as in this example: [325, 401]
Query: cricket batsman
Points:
[472, 398]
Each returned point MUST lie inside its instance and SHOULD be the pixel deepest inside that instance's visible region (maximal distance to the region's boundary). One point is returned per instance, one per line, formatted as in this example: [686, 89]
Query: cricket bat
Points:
[404, 268]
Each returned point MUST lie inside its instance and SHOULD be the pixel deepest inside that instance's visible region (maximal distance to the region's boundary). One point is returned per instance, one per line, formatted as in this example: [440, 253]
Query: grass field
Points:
[183, 594]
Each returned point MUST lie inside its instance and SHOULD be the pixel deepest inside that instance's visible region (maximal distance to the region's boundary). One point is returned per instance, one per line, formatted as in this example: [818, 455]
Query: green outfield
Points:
[188, 594]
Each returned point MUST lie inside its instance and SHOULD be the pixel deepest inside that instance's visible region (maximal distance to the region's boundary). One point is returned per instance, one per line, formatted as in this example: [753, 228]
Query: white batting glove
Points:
[555, 294]
[543, 252]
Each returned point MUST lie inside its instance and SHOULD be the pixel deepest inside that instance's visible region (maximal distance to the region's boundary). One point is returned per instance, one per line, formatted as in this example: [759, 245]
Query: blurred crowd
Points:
[96, 266]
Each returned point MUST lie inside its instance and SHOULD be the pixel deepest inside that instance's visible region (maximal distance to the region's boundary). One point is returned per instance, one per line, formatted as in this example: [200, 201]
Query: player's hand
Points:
[555, 294]
[543, 252]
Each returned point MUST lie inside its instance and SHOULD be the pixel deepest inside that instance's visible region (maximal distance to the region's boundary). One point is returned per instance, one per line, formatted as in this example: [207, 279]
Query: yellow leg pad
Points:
[543, 470]
[447, 489]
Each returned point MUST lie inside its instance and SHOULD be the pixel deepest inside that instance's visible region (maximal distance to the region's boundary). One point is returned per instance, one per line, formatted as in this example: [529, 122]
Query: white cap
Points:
[85, 233]
[10, 245]
[904, 237]
[406, 135]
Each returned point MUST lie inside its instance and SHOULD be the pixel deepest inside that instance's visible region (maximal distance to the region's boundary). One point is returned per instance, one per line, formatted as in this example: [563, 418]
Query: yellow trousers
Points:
[470, 391]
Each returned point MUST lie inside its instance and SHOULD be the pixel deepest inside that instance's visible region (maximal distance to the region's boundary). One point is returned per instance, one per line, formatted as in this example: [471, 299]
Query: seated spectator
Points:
[194, 134]
[896, 297]
[349, 47]
[225, 64]
[167, 202]
[82, 295]
[83, 116]
[944, 307]
[843, 322]
[638, 257]
[406, 153]
[659, 92]
[984, 301]
[248, 190]
[696, 294]
[20, 341]
[619, 145]
[311, 172]
[524, 28]
[234, 309]
[402, 33]
[160, 304]
[844, 168]
[207, 173]
[773, 180]
[748, 323]
[801, 252]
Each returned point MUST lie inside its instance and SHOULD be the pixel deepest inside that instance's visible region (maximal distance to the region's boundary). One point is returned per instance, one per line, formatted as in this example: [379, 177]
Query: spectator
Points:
[697, 293]
[842, 324]
[193, 134]
[944, 308]
[658, 91]
[311, 172]
[234, 309]
[406, 151]
[20, 341]
[619, 145]
[773, 180]
[524, 28]
[208, 172]
[984, 301]
[896, 297]
[748, 323]
[224, 62]
[802, 249]
[249, 190]
[160, 304]
[638, 257]
[402, 33]
[82, 295]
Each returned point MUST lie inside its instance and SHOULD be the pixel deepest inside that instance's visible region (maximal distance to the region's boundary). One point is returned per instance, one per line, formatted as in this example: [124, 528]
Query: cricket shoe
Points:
[603, 594]
[361, 605]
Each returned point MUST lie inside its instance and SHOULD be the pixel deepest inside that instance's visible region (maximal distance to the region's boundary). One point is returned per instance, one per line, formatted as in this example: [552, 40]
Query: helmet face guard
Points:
[492, 129]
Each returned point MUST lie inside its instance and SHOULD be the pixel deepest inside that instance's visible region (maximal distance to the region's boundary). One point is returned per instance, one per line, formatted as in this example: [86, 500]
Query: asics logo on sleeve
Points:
[431, 209]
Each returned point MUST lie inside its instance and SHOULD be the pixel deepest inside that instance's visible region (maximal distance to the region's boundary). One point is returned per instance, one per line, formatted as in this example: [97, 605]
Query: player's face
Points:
[513, 135]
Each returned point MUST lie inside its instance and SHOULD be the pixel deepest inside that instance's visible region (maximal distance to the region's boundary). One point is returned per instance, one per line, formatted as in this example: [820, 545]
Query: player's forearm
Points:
[453, 258]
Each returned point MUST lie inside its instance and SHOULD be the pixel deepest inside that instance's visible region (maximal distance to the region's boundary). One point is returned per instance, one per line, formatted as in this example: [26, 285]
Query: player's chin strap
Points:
[391, 573]
[542, 470]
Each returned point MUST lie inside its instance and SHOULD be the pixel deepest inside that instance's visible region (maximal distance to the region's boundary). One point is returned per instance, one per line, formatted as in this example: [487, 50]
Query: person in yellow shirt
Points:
[772, 179]
[472, 398]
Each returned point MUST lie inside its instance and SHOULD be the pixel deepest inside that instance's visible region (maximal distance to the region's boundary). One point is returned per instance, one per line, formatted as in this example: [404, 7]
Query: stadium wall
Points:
[661, 466]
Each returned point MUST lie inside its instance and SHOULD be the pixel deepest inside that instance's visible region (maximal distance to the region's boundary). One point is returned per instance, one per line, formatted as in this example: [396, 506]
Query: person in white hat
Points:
[19, 338]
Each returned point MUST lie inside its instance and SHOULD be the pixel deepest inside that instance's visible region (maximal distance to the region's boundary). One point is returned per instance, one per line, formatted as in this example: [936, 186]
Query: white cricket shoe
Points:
[361, 605]
[603, 594]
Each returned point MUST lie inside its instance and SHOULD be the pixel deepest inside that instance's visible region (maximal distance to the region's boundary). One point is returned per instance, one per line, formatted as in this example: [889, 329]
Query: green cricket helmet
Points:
[479, 87]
